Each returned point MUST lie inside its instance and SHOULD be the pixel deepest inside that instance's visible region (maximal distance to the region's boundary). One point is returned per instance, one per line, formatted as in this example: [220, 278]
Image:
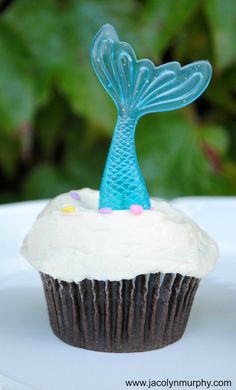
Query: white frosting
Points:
[120, 245]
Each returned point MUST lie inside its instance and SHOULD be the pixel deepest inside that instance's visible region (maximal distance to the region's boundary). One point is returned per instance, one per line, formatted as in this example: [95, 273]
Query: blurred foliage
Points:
[56, 120]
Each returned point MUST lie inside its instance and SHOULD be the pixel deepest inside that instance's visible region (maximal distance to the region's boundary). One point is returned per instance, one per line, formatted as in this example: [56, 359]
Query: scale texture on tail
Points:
[137, 87]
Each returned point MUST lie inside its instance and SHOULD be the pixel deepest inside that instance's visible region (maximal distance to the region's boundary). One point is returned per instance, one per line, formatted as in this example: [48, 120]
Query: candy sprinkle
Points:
[105, 210]
[136, 209]
[74, 195]
[68, 209]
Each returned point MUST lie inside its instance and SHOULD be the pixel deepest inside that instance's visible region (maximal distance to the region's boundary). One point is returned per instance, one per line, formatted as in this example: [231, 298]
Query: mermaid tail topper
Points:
[137, 87]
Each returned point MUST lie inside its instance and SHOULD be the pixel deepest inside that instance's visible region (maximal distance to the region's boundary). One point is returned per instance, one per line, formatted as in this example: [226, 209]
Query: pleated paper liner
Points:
[140, 314]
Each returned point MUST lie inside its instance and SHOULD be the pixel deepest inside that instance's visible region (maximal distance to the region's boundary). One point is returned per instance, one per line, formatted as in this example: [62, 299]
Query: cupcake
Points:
[119, 270]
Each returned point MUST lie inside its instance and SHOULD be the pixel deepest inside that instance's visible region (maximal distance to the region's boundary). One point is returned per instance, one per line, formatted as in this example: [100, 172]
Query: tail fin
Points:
[139, 87]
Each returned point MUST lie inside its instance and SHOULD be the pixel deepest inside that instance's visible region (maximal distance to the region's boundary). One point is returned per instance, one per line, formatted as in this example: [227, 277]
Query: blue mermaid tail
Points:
[137, 87]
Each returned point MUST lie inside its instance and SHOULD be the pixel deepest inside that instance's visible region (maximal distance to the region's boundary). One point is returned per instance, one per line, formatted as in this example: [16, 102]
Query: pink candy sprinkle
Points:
[74, 195]
[136, 209]
[105, 210]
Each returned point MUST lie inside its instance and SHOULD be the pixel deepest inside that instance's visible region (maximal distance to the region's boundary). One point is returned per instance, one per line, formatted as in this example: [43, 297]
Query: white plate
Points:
[31, 355]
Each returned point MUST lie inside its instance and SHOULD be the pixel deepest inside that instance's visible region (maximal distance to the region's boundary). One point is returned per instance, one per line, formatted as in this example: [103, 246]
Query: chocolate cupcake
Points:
[116, 289]
[140, 314]
[118, 274]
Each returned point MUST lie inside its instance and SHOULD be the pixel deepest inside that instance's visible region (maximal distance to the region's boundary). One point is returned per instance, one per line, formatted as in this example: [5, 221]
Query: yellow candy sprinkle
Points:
[68, 209]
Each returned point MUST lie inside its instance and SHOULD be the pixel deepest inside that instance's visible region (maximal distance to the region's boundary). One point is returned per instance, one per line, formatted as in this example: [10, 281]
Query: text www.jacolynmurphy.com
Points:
[181, 384]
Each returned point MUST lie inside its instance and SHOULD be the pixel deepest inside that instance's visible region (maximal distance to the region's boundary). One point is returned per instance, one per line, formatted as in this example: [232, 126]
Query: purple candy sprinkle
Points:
[105, 210]
[74, 195]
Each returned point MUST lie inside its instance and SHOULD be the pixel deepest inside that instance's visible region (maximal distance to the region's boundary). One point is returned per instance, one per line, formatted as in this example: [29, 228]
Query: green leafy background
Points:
[56, 120]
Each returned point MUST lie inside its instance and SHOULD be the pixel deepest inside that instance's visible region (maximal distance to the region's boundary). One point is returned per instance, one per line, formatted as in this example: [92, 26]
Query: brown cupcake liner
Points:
[140, 314]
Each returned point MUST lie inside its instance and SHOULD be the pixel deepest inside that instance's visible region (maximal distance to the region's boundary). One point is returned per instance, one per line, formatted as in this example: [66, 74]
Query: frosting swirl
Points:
[71, 240]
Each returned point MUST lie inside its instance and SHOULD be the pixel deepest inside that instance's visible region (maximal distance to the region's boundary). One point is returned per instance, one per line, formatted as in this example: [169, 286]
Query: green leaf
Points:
[17, 95]
[84, 160]
[230, 174]
[216, 137]
[77, 78]
[221, 93]
[44, 181]
[160, 21]
[88, 97]
[38, 24]
[193, 42]
[10, 150]
[51, 122]
[171, 157]
[59, 39]
[222, 21]
[8, 197]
